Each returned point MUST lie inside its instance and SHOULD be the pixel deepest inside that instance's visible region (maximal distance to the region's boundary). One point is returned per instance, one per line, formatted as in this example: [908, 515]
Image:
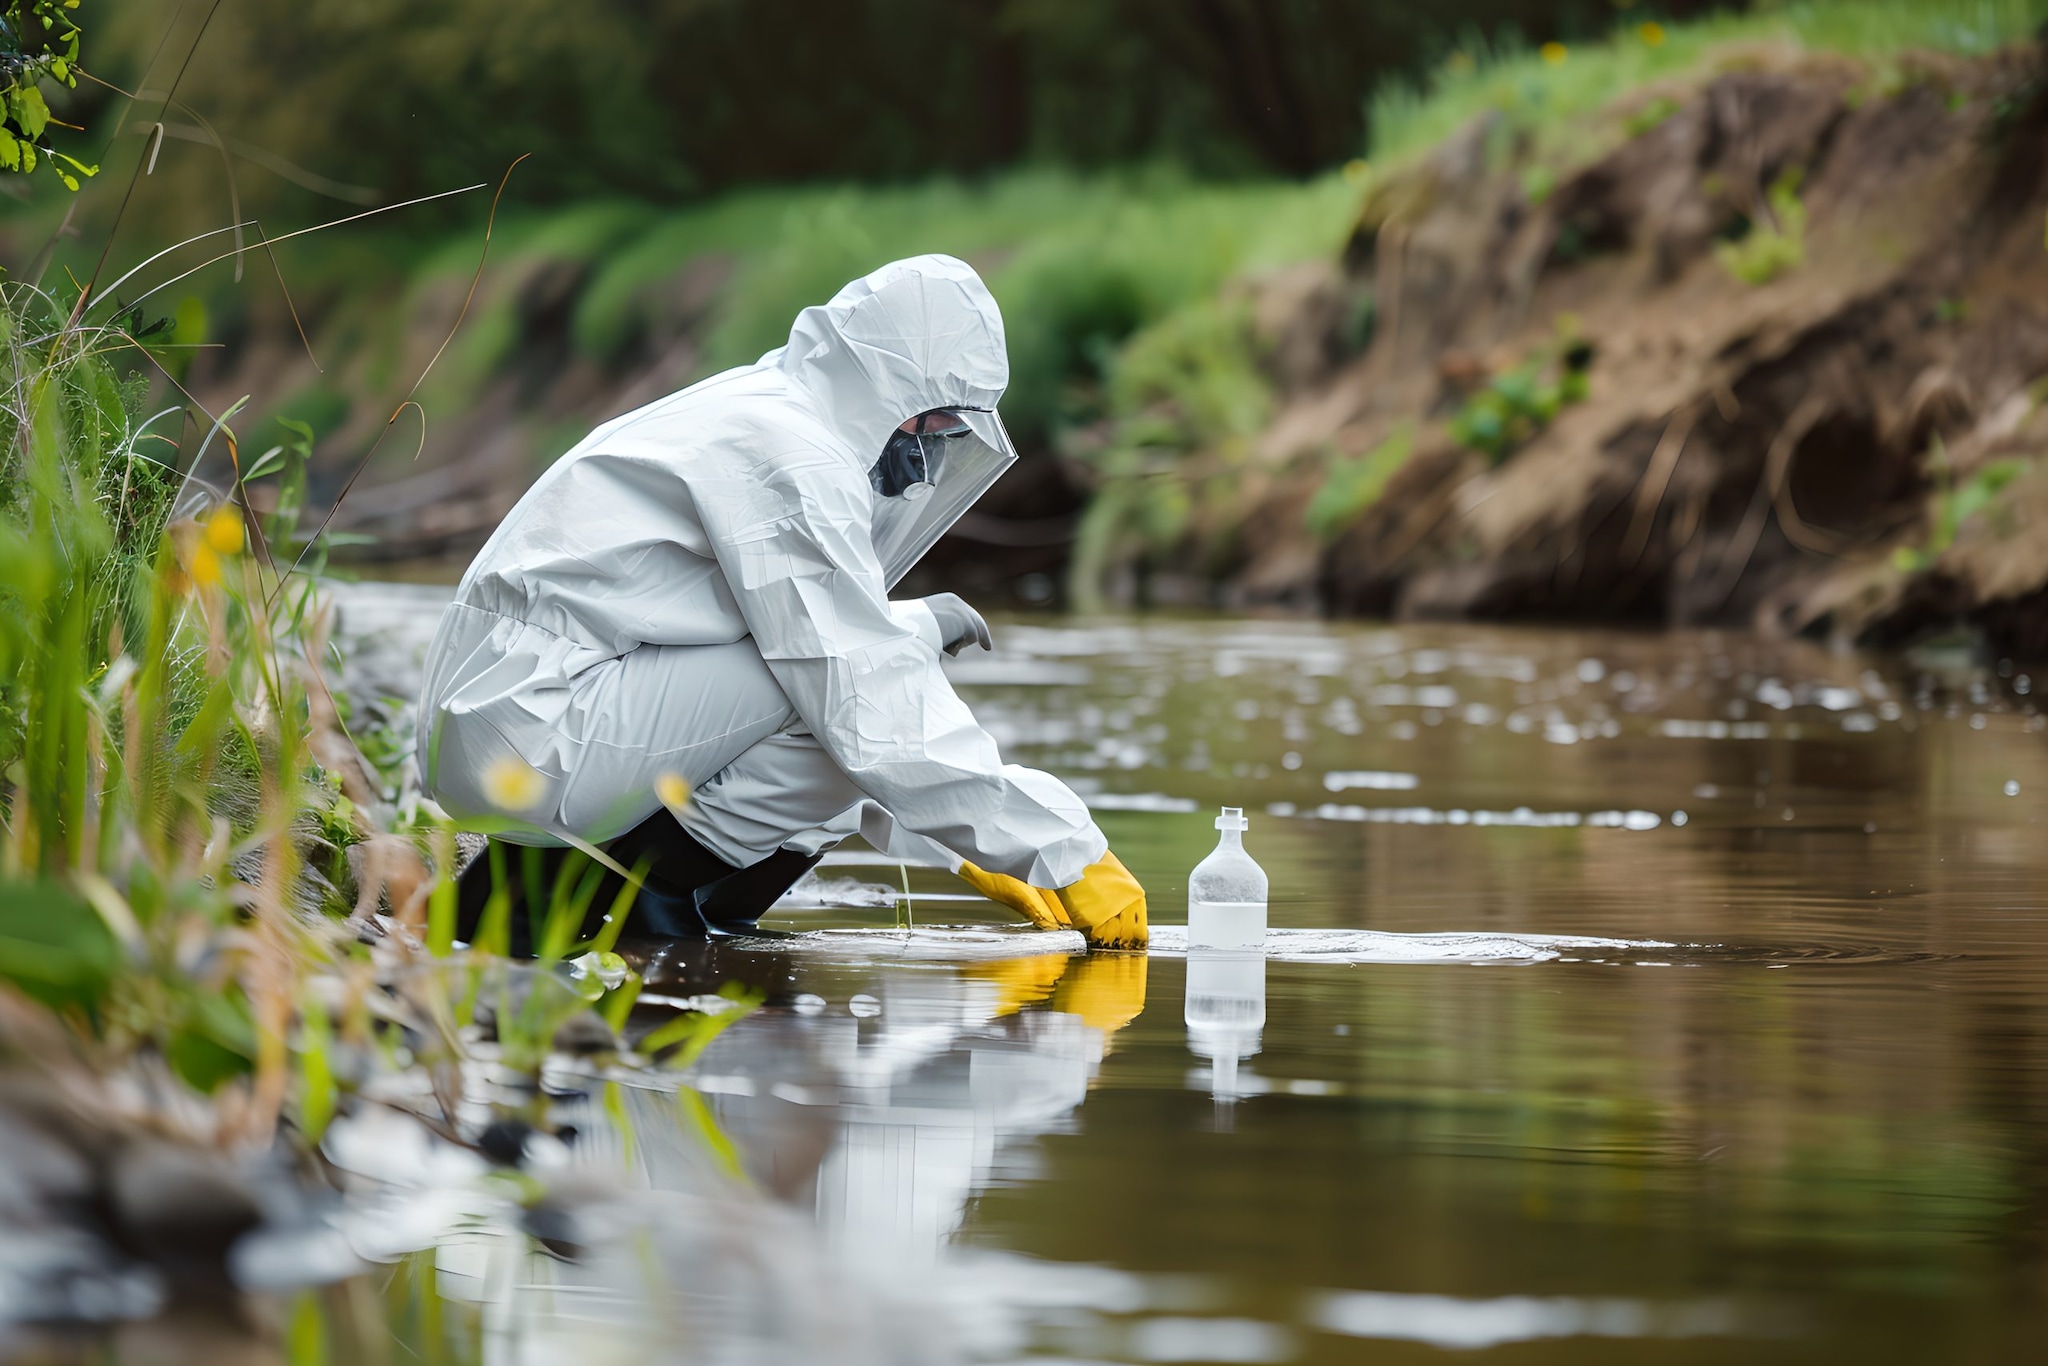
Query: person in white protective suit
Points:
[698, 593]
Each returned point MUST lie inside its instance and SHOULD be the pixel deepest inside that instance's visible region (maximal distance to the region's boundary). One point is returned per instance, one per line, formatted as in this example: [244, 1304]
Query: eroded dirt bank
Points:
[1773, 356]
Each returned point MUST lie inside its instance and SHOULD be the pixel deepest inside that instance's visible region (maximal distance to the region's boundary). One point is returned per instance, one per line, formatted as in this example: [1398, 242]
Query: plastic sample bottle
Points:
[1227, 892]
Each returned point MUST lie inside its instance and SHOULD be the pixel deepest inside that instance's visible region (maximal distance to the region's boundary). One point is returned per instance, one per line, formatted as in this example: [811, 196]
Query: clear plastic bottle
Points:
[1227, 892]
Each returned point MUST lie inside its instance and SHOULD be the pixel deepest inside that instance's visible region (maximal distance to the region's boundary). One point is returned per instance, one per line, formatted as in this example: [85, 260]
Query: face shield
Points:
[929, 475]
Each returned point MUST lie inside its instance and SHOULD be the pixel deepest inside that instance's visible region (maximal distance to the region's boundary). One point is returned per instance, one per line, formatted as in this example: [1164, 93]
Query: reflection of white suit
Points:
[915, 1106]
[700, 588]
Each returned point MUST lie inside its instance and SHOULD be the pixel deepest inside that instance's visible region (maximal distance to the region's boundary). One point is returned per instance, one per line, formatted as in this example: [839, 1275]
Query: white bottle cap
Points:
[1232, 819]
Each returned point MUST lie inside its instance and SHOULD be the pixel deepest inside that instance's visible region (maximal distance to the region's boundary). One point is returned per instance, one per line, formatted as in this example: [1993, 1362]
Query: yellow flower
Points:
[1356, 170]
[1652, 33]
[205, 564]
[674, 791]
[513, 785]
[224, 531]
[1553, 53]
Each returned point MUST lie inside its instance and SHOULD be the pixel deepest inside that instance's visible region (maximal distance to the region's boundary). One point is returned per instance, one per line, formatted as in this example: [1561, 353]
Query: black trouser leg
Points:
[687, 892]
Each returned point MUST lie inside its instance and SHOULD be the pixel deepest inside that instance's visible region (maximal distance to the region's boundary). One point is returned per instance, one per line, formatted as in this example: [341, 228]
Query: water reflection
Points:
[1226, 1011]
[911, 1090]
[1628, 998]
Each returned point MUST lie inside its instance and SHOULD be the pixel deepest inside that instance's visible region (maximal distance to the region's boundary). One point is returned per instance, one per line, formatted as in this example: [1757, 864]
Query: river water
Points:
[1631, 998]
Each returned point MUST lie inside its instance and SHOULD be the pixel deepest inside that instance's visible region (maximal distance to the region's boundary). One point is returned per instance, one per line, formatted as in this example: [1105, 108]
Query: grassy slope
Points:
[1539, 88]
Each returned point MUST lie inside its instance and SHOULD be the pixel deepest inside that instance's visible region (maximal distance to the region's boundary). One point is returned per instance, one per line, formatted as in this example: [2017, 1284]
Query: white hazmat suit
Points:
[700, 589]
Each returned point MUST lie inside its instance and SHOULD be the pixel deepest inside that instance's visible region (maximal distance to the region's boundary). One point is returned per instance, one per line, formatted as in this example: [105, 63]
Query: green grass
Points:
[1530, 87]
[178, 799]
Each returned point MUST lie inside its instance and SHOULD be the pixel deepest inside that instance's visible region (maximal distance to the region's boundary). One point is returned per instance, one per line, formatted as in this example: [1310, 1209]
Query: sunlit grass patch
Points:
[1530, 87]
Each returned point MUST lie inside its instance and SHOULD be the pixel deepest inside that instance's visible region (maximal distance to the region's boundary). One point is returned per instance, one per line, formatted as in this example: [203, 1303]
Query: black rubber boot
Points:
[687, 892]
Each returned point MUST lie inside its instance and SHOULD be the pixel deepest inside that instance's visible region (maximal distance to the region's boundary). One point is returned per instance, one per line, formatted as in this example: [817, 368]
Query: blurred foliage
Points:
[1077, 263]
[1186, 400]
[661, 99]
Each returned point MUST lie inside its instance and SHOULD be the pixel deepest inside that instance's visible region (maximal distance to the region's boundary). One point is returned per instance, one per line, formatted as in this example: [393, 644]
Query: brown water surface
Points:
[1630, 998]
[1799, 1112]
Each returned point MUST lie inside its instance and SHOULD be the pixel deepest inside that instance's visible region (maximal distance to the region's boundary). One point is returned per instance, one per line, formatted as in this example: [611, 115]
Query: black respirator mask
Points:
[909, 467]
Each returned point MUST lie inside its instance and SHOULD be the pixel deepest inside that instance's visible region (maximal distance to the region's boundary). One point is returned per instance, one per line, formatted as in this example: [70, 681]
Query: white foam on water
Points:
[1461, 1324]
[1379, 946]
[812, 892]
[928, 943]
[970, 943]
[1427, 815]
[1344, 780]
[1157, 802]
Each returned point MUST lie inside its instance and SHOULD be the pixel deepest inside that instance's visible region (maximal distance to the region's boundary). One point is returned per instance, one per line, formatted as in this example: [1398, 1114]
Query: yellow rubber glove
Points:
[1041, 908]
[1107, 906]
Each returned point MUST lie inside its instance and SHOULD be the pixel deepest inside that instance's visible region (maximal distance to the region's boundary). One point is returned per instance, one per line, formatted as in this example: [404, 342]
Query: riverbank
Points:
[1756, 342]
[1734, 321]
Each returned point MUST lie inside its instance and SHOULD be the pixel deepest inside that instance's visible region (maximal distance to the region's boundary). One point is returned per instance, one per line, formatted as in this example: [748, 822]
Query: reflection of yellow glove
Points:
[1041, 908]
[1107, 991]
[1108, 906]
[1020, 982]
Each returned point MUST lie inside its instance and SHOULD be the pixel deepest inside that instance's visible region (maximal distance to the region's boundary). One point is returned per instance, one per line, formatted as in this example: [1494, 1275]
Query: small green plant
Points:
[1518, 404]
[1954, 504]
[1352, 486]
[1776, 240]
